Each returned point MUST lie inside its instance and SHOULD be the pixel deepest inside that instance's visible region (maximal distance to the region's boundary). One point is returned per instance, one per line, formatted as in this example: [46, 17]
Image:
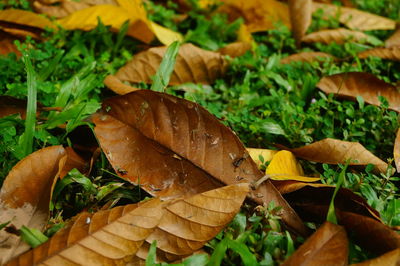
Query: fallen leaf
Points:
[165, 35]
[307, 57]
[353, 84]
[391, 258]
[7, 46]
[188, 149]
[392, 53]
[327, 246]
[394, 40]
[355, 19]
[180, 227]
[10, 105]
[25, 18]
[334, 151]
[300, 17]
[67, 7]
[26, 193]
[396, 151]
[235, 49]
[265, 153]
[117, 86]
[193, 64]
[244, 35]
[287, 186]
[336, 36]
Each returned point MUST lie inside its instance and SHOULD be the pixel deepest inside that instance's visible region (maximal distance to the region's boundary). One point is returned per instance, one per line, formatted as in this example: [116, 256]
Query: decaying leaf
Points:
[235, 49]
[115, 236]
[334, 151]
[396, 151]
[307, 57]
[26, 194]
[336, 36]
[394, 40]
[266, 155]
[300, 17]
[392, 53]
[188, 149]
[25, 18]
[390, 258]
[353, 84]
[193, 64]
[356, 19]
[327, 246]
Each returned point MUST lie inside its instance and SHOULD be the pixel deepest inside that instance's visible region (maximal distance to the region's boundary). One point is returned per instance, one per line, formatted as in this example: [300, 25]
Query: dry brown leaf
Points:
[300, 17]
[117, 86]
[356, 19]
[396, 151]
[393, 40]
[392, 53]
[307, 57]
[327, 246]
[114, 236]
[10, 105]
[235, 49]
[188, 149]
[334, 151]
[25, 18]
[353, 84]
[193, 64]
[391, 258]
[336, 35]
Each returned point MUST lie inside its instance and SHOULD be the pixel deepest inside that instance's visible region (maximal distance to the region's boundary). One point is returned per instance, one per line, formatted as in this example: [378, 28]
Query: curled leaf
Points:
[389, 258]
[334, 151]
[300, 17]
[353, 84]
[392, 53]
[327, 246]
[336, 36]
[307, 57]
[117, 86]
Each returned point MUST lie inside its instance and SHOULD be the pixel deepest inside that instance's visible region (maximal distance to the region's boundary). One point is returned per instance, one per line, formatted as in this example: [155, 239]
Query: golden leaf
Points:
[25, 18]
[265, 153]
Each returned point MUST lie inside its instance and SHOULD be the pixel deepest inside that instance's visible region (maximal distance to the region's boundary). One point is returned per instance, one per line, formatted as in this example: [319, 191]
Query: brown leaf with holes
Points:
[307, 57]
[173, 147]
[391, 258]
[193, 64]
[235, 49]
[353, 84]
[392, 53]
[394, 40]
[356, 19]
[180, 227]
[339, 36]
[396, 150]
[26, 193]
[334, 151]
[300, 17]
[327, 246]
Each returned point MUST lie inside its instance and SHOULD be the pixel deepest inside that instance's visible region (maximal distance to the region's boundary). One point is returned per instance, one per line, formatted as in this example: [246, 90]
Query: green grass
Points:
[263, 101]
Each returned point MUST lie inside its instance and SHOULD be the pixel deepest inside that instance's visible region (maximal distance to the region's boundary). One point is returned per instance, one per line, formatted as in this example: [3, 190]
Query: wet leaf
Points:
[396, 151]
[174, 147]
[394, 40]
[389, 258]
[356, 19]
[337, 36]
[392, 53]
[265, 154]
[307, 57]
[334, 151]
[300, 17]
[25, 18]
[327, 246]
[179, 227]
[353, 84]
[235, 49]
[193, 64]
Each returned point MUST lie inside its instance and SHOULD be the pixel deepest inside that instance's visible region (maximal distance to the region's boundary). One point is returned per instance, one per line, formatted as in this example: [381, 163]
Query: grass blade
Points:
[331, 216]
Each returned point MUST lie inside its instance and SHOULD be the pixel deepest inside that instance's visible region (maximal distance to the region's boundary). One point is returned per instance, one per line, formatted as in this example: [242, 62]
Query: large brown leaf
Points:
[392, 53]
[115, 236]
[26, 193]
[193, 64]
[334, 151]
[356, 19]
[307, 57]
[396, 151]
[336, 36]
[353, 84]
[327, 246]
[174, 147]
[300, 17]
[391, 258]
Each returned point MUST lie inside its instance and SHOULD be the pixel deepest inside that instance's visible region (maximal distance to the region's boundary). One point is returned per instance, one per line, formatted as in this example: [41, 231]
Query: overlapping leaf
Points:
[188, 149]
[26, 194]
[339, 36]
[353, 84]
[307, 57]
[334, 151]
[180, 227]
[300, 17]
[327, 246]
[392, 53]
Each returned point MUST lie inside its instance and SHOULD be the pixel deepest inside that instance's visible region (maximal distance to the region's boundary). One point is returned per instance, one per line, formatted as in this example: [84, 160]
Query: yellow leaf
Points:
[284, 166]
[165, 35]
[244, 34]
[26, 18]
[134, 8]
[265, 153]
